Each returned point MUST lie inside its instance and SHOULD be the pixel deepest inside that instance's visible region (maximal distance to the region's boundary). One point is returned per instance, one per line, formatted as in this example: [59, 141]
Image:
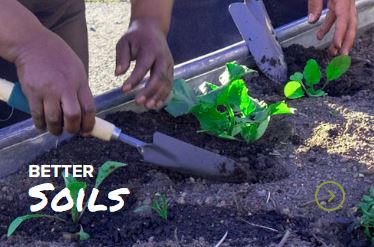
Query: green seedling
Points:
[366, 210]
[160, 205]
[227, 111]
[309, 81]
[74, 186]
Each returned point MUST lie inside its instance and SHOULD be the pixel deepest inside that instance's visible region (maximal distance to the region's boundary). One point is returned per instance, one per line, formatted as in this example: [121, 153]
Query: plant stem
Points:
[325, 85]
[232, 118]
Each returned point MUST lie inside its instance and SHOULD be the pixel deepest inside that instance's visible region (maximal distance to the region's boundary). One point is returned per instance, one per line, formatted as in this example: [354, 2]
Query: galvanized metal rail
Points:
[21, 142]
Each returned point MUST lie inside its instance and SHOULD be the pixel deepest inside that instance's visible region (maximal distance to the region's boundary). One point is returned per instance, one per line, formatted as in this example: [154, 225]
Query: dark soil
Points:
[328, 139]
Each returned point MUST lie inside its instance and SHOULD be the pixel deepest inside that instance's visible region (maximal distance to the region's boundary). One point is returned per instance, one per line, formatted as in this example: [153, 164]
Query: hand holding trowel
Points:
[254, 25]
[165, 151]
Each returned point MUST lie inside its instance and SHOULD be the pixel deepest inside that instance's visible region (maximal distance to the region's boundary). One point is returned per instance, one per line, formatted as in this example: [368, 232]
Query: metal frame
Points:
[21, 142]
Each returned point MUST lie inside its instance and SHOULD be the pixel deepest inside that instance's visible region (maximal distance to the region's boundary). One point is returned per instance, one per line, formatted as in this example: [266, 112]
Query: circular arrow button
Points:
[330, 196]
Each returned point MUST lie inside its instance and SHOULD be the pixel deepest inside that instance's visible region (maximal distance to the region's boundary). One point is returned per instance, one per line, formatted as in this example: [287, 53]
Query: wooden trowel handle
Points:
[12, 94]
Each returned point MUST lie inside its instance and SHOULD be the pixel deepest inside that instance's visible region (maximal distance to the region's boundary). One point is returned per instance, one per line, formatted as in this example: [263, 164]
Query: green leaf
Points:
[372, 192]
[210, 99]
[210, 86]
[280, 108]
[236, 95]
[19, 220]
[297, 77]
[293, 90]
[235, 71]
[160, 205]
[367, 199]
[315, 93]
[184, 98]
[337, 67]
[211, 120]
[227, 136]
[74, 187]
[253, 132]
[83, 236]
[312, 73]
[106, 169]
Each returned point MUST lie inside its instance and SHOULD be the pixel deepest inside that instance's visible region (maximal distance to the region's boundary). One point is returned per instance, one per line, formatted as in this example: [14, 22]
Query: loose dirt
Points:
[329, 138]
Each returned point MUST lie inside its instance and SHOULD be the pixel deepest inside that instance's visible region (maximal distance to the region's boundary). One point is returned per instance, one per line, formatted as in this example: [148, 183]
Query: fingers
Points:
[88, 109]
[72, 113]
[123, 57]
[37, 112]
[53, 115]
[314, 10]
[326, 25]
[344, 15]
[158, 87]
[350, 35]
[143, 65]
[341, 28]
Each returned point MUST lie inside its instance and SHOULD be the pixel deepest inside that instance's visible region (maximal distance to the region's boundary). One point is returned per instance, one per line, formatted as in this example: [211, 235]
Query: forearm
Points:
[157, 11]
[17, 27]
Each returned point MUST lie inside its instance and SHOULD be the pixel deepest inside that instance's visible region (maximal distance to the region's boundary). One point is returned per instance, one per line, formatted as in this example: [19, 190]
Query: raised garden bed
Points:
[329, 138]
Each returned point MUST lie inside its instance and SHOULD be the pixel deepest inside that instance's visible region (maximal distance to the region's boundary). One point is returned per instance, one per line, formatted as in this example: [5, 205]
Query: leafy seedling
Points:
[309, 81]
[228, 111]
[160, 205]
[366, 209]
[74, 187]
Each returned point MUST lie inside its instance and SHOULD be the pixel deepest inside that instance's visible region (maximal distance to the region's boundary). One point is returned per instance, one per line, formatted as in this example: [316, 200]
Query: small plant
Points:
[160, 205]
[227, 111]
[366, 209]
[74, 187]
[308, 82]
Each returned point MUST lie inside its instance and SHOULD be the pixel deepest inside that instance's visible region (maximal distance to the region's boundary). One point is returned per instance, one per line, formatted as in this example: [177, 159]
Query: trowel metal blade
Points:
[169, 152]
[254, 25]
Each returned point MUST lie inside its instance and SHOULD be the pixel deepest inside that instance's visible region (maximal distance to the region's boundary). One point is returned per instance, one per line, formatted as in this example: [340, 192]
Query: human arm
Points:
[52, 77]
[344, 14]
[145, 42]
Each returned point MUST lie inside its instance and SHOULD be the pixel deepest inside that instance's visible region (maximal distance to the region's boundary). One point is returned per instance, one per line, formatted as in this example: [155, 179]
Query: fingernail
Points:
[118, 69]
[311, 18]
[141, 99]
[151, 103]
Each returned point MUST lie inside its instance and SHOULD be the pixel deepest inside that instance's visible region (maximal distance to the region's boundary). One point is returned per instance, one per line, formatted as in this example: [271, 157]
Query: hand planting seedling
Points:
[159, 204]
[309, 81]
[227, 111]
[366, 209]
[77, 192]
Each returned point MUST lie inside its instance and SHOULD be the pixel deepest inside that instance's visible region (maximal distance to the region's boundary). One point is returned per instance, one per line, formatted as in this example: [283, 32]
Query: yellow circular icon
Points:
[332, 196]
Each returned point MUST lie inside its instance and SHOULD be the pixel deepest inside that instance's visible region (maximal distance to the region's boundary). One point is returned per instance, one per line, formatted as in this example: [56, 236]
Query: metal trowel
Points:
[252, 20]
[164, 151]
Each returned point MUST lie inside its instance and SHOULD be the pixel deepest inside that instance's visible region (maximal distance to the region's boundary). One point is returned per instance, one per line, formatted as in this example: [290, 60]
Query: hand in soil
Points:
[344, 14]
[55, 83]
[146, 43]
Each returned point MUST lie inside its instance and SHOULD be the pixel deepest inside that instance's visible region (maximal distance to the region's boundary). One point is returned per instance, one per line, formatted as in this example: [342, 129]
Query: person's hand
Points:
[344, 14]
[145, 43]
[55, 83]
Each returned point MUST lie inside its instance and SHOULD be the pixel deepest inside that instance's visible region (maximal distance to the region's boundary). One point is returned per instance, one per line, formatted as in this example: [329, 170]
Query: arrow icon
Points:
[332, 196]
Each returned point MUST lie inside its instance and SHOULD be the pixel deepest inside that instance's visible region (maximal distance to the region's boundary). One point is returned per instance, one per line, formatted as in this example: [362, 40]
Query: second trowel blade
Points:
[254, 25]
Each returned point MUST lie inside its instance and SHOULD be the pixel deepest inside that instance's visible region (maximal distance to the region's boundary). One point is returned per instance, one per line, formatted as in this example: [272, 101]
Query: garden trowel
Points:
[164, 151]
[254, 25]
